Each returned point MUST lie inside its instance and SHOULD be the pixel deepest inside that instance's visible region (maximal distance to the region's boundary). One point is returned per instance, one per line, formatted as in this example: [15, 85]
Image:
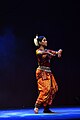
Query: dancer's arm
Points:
[55, 52]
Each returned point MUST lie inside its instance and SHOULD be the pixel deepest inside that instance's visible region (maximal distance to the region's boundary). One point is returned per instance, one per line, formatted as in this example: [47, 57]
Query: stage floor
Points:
[28, 114]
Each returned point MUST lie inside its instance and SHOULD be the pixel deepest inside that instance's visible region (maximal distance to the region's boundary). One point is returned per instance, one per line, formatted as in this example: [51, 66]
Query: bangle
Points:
[56, 52]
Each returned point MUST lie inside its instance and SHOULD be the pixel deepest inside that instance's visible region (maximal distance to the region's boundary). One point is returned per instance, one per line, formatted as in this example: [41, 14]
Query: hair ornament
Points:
[36, 41]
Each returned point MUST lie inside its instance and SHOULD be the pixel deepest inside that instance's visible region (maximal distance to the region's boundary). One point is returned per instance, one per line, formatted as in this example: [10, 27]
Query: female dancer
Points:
[47, 85]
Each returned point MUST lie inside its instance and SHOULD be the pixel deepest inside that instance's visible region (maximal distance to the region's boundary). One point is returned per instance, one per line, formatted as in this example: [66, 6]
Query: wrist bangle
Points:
[56, 52]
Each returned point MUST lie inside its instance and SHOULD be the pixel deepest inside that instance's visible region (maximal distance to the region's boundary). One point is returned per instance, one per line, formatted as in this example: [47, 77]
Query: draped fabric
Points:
[47, 87]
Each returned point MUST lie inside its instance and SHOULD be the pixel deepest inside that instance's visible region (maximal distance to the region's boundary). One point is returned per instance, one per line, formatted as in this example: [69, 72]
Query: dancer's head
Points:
[40, 41]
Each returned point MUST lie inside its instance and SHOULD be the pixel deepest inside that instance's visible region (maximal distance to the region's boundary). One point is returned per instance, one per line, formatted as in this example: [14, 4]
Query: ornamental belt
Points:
[44, 68]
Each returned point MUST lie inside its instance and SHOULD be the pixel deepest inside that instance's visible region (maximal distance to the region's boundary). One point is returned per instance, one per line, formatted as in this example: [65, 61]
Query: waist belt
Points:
[44, 68]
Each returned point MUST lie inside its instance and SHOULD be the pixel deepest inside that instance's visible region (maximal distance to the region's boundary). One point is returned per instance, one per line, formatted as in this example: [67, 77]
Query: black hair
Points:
[40, 38]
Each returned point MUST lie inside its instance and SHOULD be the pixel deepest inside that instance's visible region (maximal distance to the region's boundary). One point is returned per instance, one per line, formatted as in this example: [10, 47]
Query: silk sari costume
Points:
[47, 85]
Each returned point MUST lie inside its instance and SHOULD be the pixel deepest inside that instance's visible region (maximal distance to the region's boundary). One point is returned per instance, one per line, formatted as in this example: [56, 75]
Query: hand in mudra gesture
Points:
[59, 53]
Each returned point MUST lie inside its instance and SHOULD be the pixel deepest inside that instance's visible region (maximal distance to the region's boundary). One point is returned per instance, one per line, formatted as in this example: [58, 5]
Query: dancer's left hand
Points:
[59, 53]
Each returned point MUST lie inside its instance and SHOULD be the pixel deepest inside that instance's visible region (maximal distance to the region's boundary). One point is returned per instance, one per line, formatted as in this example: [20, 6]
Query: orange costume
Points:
[47, 85]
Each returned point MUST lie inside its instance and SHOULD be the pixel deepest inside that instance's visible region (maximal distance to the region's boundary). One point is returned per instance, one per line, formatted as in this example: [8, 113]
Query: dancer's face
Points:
[44, 42]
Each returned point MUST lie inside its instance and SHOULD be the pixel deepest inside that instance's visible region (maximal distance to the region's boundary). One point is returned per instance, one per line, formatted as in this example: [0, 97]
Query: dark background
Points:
[20, 21]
